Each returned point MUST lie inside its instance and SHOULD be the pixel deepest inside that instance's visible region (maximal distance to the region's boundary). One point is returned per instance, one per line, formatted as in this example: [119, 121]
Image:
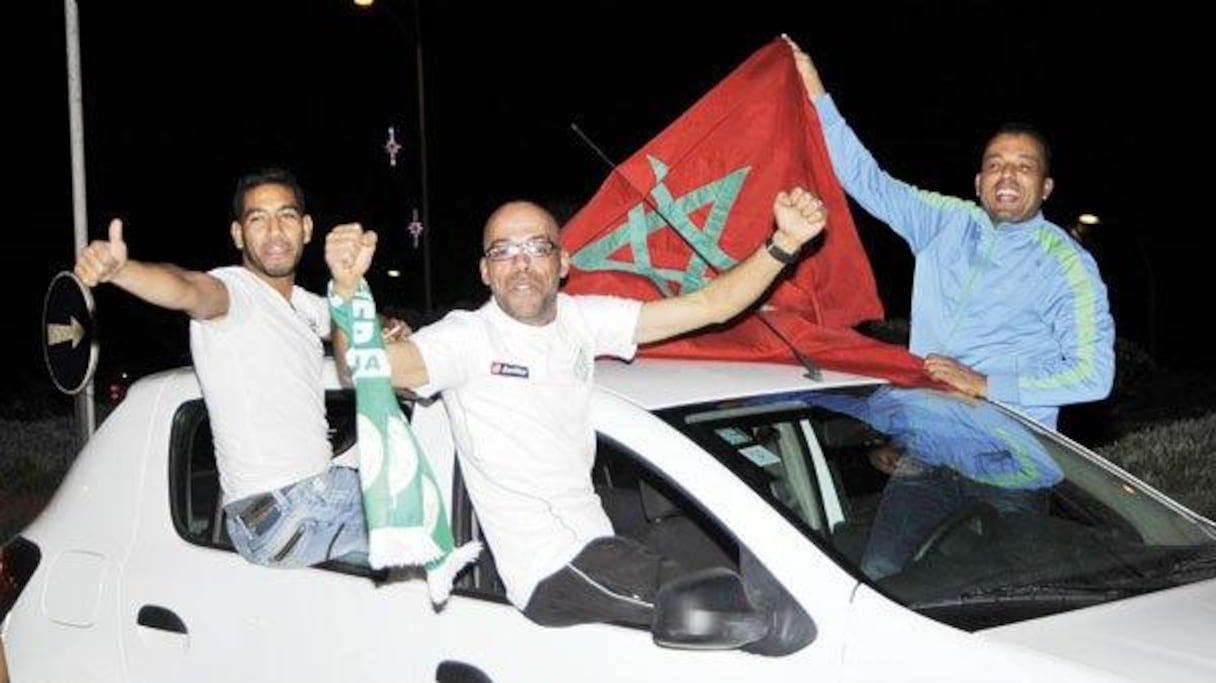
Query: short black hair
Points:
[1029, 130]
[265, 176]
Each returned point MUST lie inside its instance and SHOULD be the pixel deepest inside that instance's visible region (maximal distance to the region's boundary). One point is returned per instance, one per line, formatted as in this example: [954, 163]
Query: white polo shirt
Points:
[259, 366]
[518, 397]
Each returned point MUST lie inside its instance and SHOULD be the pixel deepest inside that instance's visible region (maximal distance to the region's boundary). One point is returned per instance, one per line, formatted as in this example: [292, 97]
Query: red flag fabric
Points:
[698, 198]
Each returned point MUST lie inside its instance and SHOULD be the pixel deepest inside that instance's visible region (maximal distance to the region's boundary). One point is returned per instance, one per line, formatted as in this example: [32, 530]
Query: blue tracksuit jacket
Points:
[1020, 302]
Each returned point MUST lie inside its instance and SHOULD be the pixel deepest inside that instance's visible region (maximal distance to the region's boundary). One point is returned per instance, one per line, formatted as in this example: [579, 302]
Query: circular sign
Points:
[69, 342]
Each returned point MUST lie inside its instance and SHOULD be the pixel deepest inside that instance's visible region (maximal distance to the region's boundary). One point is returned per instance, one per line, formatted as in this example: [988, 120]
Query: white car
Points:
[127, 574]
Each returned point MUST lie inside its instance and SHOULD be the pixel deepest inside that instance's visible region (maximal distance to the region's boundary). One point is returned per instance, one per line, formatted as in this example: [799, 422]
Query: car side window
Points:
[641, 505]
[648, 508]
[194, 485]
[809, 465]
[775, 454]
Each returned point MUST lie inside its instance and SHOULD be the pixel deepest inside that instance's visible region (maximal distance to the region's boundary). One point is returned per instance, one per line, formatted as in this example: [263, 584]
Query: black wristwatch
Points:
[779, 253]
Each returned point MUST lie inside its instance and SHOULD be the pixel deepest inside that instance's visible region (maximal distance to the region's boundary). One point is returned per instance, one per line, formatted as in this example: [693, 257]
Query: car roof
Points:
[656, 383]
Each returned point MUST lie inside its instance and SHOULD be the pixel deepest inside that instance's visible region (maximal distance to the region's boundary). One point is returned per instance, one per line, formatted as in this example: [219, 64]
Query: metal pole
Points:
[85, 410]
[426, 222]
[416, 15]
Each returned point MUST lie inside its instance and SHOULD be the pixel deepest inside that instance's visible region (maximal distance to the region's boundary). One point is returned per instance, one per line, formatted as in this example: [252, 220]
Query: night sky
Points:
[180, 98]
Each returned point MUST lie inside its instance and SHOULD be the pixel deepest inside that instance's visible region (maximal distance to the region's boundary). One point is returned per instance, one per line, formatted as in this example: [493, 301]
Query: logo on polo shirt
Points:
[507, 369]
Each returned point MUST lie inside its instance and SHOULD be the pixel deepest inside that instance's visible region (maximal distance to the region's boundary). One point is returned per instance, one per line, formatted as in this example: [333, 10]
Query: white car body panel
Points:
[111, 550]
[1165, 636]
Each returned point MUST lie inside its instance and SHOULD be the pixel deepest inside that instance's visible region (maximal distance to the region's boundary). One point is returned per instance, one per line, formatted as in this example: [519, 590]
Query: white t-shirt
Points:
[259, 366]
[518, 397]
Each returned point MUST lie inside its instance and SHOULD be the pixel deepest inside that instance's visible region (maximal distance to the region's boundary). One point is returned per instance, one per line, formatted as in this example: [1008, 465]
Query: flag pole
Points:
[612, 168]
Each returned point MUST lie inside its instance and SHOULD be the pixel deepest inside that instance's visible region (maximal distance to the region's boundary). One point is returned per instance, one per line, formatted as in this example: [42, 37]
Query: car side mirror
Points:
[707, 610]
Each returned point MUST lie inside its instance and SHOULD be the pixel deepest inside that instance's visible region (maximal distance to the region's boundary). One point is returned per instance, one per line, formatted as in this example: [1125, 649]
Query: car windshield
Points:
[955, 507]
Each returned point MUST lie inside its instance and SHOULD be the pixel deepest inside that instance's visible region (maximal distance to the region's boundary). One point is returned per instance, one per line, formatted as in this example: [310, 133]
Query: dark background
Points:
[180, 98]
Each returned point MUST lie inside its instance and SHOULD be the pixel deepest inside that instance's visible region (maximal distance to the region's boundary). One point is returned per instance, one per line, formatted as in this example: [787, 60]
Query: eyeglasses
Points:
[536, 247]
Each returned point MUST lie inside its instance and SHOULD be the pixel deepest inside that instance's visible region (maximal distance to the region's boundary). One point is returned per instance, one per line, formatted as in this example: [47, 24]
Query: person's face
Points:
[524, 285]
[1012, 182]
[272, 231]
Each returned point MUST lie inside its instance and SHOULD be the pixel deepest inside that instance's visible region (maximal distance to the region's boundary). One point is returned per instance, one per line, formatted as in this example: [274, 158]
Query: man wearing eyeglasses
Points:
[516, 378]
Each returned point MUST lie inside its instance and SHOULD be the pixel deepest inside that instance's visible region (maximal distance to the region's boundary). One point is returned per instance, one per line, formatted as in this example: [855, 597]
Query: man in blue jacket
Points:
[1005, 305]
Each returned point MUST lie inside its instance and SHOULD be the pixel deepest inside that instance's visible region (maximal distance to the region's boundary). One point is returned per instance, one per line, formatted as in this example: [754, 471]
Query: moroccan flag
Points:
[698, 199]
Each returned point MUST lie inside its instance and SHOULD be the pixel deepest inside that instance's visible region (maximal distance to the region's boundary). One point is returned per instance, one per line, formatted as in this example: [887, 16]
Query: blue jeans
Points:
[309, 522]
[918, 498]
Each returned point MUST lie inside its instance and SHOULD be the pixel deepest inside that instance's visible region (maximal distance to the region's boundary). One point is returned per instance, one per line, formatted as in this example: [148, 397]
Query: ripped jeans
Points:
[311, 521]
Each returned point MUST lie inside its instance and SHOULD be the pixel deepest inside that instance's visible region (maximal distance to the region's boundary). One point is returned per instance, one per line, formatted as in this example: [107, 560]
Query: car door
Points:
[194, 610]
[674, 516]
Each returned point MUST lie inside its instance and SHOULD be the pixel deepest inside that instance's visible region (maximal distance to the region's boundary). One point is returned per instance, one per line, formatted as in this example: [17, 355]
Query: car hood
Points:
[1163, 636]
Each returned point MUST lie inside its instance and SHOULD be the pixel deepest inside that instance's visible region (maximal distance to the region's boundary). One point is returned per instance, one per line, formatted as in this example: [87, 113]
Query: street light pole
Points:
[422, 178]
[85, 411]
[422, 154]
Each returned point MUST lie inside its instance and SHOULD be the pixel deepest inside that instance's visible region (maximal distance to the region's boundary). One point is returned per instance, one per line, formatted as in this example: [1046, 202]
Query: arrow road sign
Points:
[69, 339]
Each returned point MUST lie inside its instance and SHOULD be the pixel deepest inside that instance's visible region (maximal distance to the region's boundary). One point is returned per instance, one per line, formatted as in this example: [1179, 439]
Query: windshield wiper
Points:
[1202, 563]
[1069, 594]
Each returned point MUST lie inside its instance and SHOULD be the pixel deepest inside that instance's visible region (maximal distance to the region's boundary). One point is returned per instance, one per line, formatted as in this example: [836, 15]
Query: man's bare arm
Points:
[800, 217]
[199, 295]
[348, 253]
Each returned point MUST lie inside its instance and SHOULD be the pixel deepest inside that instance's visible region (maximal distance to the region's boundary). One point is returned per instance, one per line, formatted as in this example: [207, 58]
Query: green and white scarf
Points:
[407, 522]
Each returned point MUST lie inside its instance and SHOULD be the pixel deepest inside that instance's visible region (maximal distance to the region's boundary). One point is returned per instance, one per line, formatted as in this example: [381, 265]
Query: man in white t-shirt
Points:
[516, 377]
[256, 341]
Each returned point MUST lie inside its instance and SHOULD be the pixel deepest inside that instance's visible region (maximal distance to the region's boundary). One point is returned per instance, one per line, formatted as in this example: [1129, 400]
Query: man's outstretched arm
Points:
[800, 217]
[806, 69]
[199, 295]
[348, 253]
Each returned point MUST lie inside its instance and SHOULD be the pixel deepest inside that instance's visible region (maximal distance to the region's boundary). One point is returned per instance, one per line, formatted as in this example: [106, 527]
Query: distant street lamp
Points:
[419, 227]
[1085, 224]
[1082, 230]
